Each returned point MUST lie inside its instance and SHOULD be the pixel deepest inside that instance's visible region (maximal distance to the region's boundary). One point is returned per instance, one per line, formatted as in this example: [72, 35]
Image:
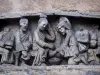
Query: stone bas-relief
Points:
[6, 45]
[48, 45]
[86, 41]
[43, 40]
[67, 47]
[23, 43]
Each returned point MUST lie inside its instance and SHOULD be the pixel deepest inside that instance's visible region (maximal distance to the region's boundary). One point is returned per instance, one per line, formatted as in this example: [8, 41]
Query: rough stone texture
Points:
[51, 12]
[19, 8]
[42, 5]
[52, 70]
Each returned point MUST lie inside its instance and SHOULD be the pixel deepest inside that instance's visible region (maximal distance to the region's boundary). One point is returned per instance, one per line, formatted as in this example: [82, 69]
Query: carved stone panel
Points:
[46, 40]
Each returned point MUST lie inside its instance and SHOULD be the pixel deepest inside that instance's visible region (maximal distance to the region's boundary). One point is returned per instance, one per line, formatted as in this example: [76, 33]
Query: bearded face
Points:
[24, 28]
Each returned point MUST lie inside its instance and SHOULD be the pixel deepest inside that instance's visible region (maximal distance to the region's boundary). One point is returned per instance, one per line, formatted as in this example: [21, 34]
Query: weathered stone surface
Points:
[50, 70]
[75, 8]
[18, 8]
[51, 12]
[42, 5]
[92, 73]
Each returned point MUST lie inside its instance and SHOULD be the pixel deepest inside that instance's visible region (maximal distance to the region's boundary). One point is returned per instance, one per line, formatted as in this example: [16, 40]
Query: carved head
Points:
[63, 25]
[42, 23]
[24, 24]
[61, 28]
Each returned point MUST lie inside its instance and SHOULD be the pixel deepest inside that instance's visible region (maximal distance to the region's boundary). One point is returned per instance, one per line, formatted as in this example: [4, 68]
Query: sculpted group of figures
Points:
[48, 46]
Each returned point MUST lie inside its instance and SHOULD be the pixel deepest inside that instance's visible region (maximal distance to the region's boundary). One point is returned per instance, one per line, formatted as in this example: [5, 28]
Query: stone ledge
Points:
[51, 70]
[73, 13]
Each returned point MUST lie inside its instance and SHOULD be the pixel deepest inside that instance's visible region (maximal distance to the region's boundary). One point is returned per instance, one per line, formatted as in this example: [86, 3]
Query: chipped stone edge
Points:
[73, 13]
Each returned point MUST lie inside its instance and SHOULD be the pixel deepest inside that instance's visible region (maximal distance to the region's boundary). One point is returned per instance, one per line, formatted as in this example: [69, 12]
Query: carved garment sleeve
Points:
[51, 35]
[39, 41]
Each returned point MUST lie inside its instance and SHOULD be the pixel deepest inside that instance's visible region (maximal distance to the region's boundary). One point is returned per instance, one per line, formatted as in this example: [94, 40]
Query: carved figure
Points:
[43, 38]
[67, 47]
[92, 56]
[23, 42]
[6, 45]
[83, 40]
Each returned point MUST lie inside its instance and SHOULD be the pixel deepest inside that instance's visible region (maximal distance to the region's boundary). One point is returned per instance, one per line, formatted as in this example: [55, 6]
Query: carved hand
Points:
[51, 46]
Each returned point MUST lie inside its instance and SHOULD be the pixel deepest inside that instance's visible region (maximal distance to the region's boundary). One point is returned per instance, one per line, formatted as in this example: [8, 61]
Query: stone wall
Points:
[44, 5]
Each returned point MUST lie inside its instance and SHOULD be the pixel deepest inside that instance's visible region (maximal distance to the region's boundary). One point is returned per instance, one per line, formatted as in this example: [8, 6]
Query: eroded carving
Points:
[6, 45]
[49, 45]
[23, 42]
[43, 37]
[67, 46]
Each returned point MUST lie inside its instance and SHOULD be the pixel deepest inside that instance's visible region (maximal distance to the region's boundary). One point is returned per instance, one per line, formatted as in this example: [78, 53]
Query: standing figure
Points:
[6, 45]
[23, 42]
[43, 38]
[67, 45]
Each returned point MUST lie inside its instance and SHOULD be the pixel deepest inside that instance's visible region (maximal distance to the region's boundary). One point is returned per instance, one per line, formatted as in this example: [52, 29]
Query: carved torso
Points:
[23, 41]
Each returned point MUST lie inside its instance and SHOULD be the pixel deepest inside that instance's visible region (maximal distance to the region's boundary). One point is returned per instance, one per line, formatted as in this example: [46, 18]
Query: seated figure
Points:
[6, 45]
[43, 41]
[67, 47]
